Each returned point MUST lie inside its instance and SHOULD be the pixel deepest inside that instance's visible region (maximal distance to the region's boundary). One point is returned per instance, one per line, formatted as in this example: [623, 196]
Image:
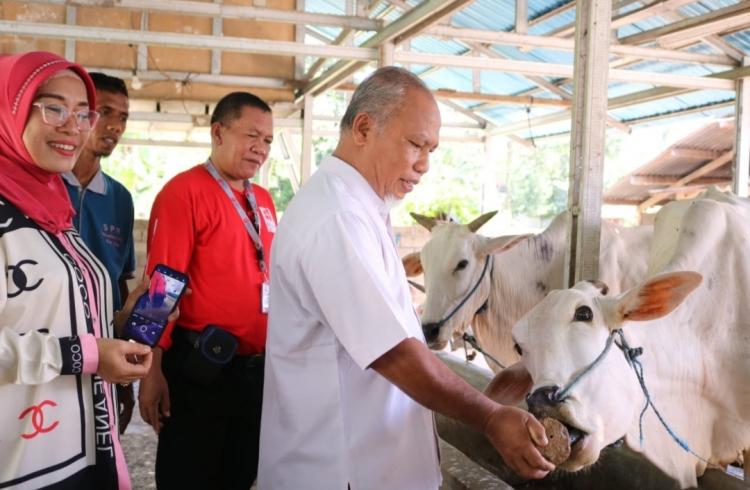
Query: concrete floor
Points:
[139, 444]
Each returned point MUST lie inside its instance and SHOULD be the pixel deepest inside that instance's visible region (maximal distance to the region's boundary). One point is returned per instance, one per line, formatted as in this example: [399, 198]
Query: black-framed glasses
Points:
[57, 115]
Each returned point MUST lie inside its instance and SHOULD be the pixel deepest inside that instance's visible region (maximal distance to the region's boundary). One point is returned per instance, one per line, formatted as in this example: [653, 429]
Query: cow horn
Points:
[423, 220]
[600, 285]
[477, 223]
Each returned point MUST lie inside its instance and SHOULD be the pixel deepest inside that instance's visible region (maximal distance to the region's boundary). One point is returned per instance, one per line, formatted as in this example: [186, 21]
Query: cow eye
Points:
[517, 349]
[462, 265]
[583, 314]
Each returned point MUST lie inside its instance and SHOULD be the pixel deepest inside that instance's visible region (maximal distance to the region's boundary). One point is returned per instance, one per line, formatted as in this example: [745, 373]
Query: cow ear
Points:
[655, 298]
[412, 264]
[502, 243]
[511, 385]
[477, 223]
[423, 220]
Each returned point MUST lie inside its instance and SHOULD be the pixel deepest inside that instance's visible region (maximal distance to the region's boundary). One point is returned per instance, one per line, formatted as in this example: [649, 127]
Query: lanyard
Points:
[252, 228]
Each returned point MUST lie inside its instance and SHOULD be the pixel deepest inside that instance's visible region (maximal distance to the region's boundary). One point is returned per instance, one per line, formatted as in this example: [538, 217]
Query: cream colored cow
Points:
[692, 320]
[518, 272]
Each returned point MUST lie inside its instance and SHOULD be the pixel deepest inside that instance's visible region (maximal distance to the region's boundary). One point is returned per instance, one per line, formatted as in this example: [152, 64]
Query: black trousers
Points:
[210, 440]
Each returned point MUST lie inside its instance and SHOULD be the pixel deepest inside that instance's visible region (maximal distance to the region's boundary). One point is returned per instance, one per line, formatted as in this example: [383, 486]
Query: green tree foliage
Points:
[537, 181]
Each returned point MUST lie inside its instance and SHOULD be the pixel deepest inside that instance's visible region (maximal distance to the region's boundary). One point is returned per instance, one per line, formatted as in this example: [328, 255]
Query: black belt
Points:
[190, 337]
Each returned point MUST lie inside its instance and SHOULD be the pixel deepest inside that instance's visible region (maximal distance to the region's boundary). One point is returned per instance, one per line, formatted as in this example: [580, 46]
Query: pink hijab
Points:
[39, 194]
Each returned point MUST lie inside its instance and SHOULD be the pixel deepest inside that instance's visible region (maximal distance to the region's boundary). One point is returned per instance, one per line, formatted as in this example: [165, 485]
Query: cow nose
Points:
[542, 400]
[431, 331]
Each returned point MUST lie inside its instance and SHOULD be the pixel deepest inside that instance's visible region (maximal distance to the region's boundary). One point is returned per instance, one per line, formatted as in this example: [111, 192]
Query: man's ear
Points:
[655, 298]
[502, 243]
[510, 386]
[412, 264]
[362, 128]
[216, 132]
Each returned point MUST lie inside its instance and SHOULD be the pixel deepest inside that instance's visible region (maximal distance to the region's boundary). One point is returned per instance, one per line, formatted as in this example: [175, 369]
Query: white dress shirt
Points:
[340, 300]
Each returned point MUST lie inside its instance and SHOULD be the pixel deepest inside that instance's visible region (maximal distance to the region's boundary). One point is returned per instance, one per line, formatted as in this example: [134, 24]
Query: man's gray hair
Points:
[381, 95]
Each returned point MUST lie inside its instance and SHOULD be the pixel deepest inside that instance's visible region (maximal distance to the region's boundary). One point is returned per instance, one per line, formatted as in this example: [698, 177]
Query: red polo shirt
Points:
[194, 228]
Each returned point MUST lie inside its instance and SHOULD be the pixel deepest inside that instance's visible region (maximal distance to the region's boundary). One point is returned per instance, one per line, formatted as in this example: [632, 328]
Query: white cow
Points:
[696, 347]
[520, 272]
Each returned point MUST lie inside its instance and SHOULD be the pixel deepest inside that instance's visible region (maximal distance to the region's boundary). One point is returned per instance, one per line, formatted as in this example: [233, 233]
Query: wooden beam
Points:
[561, 70]
[217, 26]
[501, 99]
[621, 202]
[553, 13]
[623, 101]
[343, 36]
[650, 180]
[695, 154]
[306, 159]
[647, 11]
[70, 44]
[680, 113]
[291, 155]
[466, 112]
[654, 8]
[716, 22]
[528, 41]
[405, 27]
[741, 166]
[522, 16]
[180, 40]
[386, 54]
[587, 140]
[549, 86]
[685, 189]
[225, 11]
[700, 172]
[521, 141]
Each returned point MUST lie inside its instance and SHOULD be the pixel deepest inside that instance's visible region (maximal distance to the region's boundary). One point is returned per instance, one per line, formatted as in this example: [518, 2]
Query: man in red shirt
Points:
[215, 226]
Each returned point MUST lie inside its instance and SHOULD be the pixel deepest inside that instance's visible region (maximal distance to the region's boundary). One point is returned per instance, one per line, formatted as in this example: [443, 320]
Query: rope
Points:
[487, 262]
[470, 339]
[631, 355]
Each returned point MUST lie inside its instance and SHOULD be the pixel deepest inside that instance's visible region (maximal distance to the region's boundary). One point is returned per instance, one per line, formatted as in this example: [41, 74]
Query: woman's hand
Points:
[115, 360]
[121, 316]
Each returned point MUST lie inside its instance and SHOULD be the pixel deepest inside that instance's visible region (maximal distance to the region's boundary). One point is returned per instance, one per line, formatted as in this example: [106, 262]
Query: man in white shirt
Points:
[349, 382]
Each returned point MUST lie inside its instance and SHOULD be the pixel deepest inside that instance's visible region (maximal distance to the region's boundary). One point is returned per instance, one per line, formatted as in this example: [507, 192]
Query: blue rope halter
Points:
[631, 355]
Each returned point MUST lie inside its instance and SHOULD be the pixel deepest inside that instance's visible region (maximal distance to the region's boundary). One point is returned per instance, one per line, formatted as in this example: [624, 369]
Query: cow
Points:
[519, 270]
[682, 336]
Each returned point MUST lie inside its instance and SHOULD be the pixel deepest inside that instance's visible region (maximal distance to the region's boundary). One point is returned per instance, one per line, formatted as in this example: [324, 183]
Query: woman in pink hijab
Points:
[58, 411]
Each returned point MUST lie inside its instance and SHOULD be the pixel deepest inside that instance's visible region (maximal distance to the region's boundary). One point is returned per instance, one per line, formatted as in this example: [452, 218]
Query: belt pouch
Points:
[209, 353]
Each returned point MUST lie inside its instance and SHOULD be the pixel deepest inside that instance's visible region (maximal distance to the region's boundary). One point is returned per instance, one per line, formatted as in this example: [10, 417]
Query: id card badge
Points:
[265, 290]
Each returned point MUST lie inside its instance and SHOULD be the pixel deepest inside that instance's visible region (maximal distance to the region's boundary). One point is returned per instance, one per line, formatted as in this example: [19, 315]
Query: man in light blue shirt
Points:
[104, 207]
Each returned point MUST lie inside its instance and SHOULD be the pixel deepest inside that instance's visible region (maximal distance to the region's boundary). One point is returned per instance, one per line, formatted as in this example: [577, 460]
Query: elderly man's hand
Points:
[514, 433]
[126, 401]
[153, 395]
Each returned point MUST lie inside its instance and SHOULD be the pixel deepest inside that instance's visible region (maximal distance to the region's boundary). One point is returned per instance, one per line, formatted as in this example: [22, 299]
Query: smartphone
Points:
[149, 316]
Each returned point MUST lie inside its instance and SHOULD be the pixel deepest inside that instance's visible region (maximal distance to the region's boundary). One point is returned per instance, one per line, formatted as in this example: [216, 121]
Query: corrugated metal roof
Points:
[677, 161]
[494, 15]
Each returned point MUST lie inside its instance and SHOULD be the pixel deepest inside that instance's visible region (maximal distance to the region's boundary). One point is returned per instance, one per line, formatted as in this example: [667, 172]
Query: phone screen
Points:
[149, 317]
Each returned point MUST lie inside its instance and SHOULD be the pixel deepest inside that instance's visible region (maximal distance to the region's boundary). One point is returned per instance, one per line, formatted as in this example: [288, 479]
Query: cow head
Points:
[563, 335]
[452, 261]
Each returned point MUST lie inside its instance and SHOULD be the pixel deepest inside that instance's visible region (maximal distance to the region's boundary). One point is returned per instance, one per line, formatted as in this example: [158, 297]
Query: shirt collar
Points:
[356, 183]
[97, 184]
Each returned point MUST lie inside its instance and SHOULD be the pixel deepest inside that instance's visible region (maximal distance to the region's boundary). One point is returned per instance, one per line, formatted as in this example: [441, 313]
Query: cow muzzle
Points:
[543, 401]
[431, 333]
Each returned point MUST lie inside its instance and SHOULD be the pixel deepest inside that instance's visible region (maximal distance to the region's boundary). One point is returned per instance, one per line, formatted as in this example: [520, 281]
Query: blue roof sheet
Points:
[497, 15]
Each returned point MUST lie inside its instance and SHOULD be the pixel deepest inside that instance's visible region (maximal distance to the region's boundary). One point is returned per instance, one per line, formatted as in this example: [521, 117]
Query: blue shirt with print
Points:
[104, 219]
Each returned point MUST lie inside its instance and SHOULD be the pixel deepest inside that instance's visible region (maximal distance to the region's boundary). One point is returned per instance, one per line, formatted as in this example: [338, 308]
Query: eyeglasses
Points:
[57, 115]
